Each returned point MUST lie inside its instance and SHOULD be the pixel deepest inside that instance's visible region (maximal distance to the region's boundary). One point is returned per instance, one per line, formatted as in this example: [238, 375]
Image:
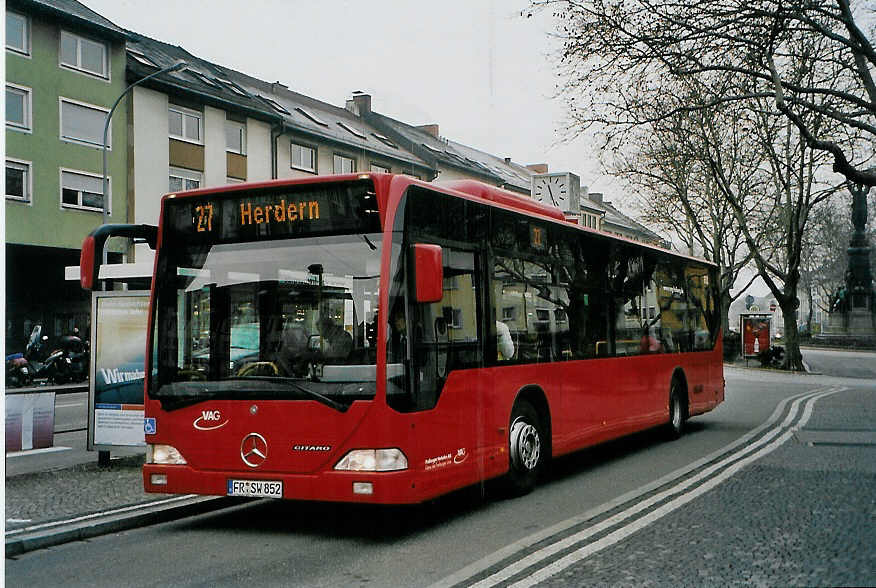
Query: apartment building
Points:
[207, 125]
[450, 159]
[65, 67]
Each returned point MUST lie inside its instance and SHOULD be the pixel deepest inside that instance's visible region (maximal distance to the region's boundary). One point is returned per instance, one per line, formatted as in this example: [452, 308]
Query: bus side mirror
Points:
[428, 272]
[91, 255]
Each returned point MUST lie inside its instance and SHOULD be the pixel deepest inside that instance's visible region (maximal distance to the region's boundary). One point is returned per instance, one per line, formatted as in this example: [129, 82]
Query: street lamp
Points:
[176, 66]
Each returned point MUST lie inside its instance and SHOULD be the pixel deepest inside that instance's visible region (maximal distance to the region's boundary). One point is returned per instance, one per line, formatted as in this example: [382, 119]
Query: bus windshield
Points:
[281, 319]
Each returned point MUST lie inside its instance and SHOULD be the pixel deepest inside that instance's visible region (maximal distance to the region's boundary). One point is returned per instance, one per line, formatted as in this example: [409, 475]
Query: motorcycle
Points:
[17, 371]
[79, 354]
[55, 366]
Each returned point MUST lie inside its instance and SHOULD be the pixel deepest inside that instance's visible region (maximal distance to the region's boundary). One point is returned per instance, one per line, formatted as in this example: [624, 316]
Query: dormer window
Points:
[312, 116]
[141, 58]
[352, 131]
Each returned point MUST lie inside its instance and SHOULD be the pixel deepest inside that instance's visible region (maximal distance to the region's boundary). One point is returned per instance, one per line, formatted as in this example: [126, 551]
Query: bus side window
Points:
[583, 271]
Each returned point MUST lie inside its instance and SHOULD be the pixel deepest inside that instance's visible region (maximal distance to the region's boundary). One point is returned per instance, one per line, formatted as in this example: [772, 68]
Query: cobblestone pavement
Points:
[800, 516]
[78, 490]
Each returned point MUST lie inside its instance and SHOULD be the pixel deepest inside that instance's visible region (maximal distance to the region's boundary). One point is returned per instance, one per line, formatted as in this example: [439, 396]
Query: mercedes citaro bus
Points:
[376, 338]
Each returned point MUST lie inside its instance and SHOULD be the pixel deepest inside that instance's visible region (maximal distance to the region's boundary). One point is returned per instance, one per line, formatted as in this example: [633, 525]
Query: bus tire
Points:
[677, 410]
[526, 449]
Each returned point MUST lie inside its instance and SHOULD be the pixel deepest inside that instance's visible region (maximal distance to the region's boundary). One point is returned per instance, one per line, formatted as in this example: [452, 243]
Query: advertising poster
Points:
[30, 421]
[118, 355]
[755, 329]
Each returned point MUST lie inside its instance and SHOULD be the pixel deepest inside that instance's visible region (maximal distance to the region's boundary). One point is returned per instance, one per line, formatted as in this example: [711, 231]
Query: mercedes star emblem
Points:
[254, 450]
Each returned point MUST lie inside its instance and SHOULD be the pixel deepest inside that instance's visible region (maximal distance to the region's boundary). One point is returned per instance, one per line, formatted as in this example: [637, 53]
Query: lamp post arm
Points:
[176, 66]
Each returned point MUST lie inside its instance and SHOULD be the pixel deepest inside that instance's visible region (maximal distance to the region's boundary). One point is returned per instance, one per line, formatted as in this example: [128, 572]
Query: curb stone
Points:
[20, 541]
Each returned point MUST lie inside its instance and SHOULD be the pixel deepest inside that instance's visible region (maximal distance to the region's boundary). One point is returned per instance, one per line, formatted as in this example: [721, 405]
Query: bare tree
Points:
[678, 190]
[801, 70]
[619, 55]
[795, 190]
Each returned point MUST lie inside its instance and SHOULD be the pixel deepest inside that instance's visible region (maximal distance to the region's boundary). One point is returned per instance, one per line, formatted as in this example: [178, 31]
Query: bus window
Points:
[533, 308]
[703, 315]
[427, 341]
[631, 279]
[583, 262]
[676, 311]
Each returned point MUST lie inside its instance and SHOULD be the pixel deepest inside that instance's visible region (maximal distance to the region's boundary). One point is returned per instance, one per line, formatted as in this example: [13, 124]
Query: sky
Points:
[481, 71]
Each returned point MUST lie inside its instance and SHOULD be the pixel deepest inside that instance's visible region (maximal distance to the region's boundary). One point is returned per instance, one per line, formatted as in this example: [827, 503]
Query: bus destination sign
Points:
[274, 214]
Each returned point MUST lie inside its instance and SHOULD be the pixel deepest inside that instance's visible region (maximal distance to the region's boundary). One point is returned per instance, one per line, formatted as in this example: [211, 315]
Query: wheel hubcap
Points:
[525, 445]
[676, 412]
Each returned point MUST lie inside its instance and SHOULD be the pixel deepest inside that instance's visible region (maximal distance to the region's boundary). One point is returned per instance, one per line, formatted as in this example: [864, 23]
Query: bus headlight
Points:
[163, 455]
[373, 460]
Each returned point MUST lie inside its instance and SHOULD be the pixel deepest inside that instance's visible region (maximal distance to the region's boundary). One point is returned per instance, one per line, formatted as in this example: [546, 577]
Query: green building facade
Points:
[65, 66]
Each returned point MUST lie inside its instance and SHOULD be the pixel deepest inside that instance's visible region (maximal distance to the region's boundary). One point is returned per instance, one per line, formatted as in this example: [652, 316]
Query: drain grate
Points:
[837, 438]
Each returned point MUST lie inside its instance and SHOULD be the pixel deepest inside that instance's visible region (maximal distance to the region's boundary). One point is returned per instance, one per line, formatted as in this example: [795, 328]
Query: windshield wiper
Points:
[298, 387]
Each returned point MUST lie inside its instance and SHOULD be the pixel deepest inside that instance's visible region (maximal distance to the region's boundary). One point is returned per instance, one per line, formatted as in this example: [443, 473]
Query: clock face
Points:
[552, 190]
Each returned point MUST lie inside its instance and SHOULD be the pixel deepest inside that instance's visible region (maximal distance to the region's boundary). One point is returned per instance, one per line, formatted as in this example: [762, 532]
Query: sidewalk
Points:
[62, 494]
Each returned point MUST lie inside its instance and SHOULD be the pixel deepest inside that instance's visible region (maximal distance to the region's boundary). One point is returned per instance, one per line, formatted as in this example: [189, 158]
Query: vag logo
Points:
[209, 420]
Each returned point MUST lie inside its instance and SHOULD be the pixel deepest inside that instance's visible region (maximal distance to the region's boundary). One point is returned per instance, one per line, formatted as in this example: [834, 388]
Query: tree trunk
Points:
[811, 309]
[725, 300]
[793, 357]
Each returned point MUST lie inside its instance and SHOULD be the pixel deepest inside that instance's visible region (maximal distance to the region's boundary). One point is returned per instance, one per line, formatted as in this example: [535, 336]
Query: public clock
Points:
[557, 189]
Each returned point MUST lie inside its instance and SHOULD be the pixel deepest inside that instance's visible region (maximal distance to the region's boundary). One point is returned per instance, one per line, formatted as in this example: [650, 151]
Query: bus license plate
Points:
[255, 488]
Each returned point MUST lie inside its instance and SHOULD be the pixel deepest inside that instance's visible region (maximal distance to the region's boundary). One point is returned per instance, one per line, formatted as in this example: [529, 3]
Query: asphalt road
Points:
[270, 543]
[71, 411]
[841, 362]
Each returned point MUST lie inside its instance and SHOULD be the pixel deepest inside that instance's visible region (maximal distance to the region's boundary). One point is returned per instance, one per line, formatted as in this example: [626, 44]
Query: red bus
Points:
[375, 338]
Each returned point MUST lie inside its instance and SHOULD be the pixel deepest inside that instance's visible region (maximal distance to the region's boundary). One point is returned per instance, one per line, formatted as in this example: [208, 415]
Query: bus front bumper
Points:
[333, 486]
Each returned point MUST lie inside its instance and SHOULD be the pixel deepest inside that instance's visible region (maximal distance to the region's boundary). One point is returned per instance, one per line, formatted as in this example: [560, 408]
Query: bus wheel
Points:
[677, 415]
[526, 448]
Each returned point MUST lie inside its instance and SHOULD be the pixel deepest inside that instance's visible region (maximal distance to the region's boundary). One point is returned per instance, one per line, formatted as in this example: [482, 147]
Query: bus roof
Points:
[471, 189]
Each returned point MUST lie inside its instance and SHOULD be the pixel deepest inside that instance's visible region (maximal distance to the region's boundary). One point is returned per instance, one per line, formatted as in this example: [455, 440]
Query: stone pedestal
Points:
[857, 325]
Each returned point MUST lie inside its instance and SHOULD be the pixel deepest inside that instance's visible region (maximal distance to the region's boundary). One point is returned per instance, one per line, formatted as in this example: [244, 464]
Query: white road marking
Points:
[667, 508]
[738, 447]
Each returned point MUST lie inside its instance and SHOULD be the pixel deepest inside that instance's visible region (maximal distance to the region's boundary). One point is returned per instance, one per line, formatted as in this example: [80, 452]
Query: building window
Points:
[18, 108]
[80, 190]
[183, 179]
[83, 54]
[185, 124]
[379, 169]
[303, 157]
[344, 165]
[83, 123]
[18, 180]
[17, 33]
[235, 137]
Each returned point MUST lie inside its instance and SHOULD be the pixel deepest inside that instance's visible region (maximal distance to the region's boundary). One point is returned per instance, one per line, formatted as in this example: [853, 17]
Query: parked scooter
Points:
[17, 371]
[79, 354]
[55, 366]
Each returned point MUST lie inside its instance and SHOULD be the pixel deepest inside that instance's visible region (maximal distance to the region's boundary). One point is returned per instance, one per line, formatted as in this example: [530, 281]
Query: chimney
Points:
[539, 168]
[508, 160]
[361, 103]
[595, 197]
[431, 129]
[277, 85]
